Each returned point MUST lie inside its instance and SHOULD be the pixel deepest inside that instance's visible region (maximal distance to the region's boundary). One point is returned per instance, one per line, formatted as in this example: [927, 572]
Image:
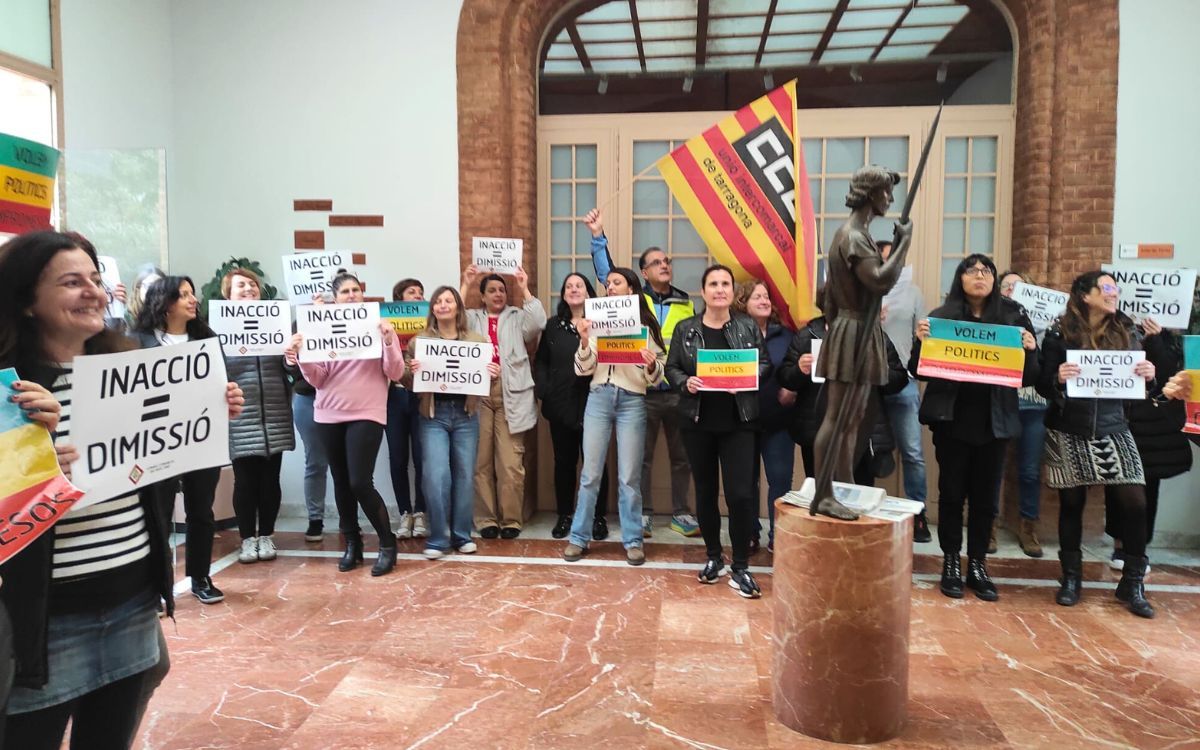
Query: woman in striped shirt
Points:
[83, 596]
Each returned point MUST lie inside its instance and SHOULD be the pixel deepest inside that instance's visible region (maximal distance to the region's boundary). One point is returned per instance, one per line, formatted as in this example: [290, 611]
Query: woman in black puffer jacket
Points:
[258, 438]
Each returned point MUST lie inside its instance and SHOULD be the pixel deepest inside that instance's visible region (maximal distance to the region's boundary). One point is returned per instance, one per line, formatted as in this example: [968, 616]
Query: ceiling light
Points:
[855, 75]
[602, 87]
[687, 84]
[943, 69]
[768, 81]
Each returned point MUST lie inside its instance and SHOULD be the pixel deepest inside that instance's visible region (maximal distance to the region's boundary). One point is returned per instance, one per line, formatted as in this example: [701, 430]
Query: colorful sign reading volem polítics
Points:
[1191, 364]
[622, 350]
[406, 318]
[727, 369]
[27, 171]
[34, 494]
[973, 353]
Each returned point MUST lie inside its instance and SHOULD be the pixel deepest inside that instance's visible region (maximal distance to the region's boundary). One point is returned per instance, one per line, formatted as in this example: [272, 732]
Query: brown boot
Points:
[1028, 537]
[992, 540]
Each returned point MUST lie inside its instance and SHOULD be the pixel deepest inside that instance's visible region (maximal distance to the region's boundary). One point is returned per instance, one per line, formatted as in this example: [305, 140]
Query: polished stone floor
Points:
[512, 648]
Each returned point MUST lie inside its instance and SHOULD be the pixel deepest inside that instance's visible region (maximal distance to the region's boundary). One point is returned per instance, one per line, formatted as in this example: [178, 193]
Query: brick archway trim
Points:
[1066, 129]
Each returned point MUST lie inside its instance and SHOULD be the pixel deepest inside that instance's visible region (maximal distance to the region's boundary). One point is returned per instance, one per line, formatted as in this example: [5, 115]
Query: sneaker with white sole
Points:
[685, 524]
[647, 526]
[468, 548]
[712, 570]
[433, 554]
[405, 529]
[744, 584]
[266, 548]
[249, 553]
[419, 529]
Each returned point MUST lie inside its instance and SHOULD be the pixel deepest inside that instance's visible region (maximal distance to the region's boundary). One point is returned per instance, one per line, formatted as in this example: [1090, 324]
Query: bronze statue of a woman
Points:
[853, 359]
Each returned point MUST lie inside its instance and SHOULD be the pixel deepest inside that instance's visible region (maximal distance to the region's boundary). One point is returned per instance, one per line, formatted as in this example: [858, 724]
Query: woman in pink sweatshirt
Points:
[350, 413]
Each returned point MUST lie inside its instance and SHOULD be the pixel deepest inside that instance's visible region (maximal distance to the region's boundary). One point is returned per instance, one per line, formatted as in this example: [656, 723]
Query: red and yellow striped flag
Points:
[743, 184]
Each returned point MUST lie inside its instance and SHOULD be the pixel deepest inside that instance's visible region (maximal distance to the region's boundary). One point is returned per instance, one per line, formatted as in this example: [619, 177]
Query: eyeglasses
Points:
[1008, 287]
[978, 271]
[1108, 288]
[665, 262]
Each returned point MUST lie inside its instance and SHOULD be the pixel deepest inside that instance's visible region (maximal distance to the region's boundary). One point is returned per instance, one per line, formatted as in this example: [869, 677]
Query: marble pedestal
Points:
[842, 592]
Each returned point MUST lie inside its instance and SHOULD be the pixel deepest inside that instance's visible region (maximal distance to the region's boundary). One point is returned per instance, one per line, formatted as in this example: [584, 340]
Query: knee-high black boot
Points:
[1132, 589]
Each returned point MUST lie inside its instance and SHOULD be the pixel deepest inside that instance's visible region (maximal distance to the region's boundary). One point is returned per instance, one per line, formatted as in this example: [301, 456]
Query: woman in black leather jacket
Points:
[718, 426]
[971, 425]
[1088, 441]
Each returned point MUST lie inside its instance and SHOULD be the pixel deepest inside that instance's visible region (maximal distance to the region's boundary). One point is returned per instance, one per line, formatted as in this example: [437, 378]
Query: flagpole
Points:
[621, 189]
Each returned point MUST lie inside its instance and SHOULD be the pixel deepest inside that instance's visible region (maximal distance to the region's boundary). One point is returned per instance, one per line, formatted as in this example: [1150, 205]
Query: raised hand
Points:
[593, 221]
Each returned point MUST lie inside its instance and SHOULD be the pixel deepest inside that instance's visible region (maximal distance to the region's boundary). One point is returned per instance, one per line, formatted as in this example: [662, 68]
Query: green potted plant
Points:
[212, 290]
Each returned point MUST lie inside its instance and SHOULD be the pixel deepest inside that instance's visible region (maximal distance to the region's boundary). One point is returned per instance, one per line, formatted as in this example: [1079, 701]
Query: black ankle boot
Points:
[978, 580]
[1072, 578]
[385, 562]
[952, 585]
[1132, 588]
[353, 556]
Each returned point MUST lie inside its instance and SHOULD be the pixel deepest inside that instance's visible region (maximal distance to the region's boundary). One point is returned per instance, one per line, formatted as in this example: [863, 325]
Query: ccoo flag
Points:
[743, 184]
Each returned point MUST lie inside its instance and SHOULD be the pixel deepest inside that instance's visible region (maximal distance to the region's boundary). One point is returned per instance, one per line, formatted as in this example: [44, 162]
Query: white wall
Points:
[1157, 112]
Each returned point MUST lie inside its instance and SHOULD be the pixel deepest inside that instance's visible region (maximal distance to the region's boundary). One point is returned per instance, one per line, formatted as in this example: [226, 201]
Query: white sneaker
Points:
[468, 548]
[433, 554]
[647, 527]
[419, 529]
[266, 548]
[249, 553]
[405, 529]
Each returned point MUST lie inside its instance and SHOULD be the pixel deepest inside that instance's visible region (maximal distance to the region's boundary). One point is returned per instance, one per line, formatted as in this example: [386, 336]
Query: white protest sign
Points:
[816, 352]
[497, 254]
[1106, 374]
[452, 367]
[613, 316]
[110, 276]
[306, 274]
[1162, 294]
[147, 415]
[251, 328]
[339, 331]
[1042, 305]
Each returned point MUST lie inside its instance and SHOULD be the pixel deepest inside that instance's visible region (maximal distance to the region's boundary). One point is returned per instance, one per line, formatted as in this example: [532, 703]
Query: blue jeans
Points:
[778, 454]
[607, 407]
[449, 442]
[316, 464]
[1030, 447]
[902, 409]
[404, 438]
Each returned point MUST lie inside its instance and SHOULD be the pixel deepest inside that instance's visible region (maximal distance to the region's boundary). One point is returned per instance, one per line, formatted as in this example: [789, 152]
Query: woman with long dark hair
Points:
[350, 413]
[971, 424]
[616, 401]
[83, 596]
[449, 434]
[170, 315]
[564, 394]
[1088, 441]
[259, 437]
[719, 427]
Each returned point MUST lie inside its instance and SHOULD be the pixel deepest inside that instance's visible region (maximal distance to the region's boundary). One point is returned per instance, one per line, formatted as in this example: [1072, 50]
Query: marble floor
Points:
[513, 648]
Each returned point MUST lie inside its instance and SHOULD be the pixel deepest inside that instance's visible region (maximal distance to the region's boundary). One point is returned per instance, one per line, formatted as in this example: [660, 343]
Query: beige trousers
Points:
[499, 467]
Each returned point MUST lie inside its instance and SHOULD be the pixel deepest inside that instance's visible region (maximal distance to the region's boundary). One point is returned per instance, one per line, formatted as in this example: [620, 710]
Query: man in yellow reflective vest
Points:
[670, 305]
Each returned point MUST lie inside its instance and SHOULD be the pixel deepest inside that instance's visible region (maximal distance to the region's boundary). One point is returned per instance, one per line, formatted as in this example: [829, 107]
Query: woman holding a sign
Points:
[511, 410]
[1088, 441]
[350, 412]
[716, 364]
[973, 369]
[404, 437]
[616, 401]
[83, 595]
[258, 438]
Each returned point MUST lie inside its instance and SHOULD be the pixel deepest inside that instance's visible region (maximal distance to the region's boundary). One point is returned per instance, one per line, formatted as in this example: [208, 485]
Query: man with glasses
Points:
[670, 305]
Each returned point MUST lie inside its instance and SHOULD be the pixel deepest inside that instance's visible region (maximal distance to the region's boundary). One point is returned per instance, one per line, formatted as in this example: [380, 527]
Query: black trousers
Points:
[1112, 511]
[104, 719]
[732, 453]
[8, 667]
[967, 474]
[199, 491]
[256, 494]
[352, 448]
[1127, 513]
[568, 447]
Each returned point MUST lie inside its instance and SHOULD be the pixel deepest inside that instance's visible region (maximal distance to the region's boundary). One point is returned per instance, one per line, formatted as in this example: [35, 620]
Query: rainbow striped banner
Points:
[727, 369]
[27, 171]
[406, 318]
[1191, 363]
[973, 353]
[743, 185]
[34, 494]
[622, 350]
